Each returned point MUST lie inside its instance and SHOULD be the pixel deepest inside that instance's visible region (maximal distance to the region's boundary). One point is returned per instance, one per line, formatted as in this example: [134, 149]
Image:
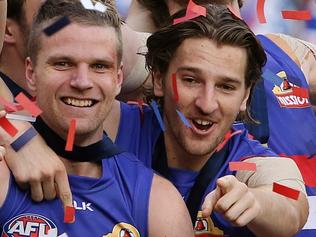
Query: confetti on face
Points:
[23, 139]
[71, 135]
[57, 26]
[158, 115]
[242, 166]
[8, 127]
[184, 119]
[28, 104]
[227, 136]
[286, 191]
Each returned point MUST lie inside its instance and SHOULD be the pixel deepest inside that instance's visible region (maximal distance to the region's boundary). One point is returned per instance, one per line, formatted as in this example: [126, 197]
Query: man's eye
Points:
[226, 87]
[62, 65]
[99, 67]
[190, 80]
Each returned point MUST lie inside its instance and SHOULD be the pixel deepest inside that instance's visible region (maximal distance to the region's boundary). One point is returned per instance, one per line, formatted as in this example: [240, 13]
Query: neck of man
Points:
[86, 169]
[179, 158]
[12, 65]
[56, 137]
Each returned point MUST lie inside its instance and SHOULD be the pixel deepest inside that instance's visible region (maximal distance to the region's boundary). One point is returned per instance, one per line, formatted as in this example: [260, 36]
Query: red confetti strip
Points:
[260, 11]
[71, 135]
[242, 166]
[193, 11]
[297, 15]
[69, 215]
[28, 104]
[228, 136]
[175, 88]
[8, 127]
[286, 191]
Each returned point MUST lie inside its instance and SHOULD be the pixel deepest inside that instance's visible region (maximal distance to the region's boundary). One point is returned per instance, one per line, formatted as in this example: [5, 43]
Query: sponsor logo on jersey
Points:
[28, 224]
[204, 227]
[290, 95]
[123, 230]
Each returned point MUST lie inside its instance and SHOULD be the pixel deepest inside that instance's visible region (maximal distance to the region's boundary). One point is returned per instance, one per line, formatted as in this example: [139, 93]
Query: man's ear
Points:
[120, 76]
[30, 74]
[11, 32]
[243, 105]
[158, 84]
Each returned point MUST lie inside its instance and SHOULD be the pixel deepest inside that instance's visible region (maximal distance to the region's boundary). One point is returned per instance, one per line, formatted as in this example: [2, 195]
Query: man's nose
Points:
[81, 79]
[207, 100]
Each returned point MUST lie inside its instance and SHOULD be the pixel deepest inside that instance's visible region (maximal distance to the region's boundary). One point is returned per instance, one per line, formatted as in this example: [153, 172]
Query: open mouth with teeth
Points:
[202, 124]
[82, 103]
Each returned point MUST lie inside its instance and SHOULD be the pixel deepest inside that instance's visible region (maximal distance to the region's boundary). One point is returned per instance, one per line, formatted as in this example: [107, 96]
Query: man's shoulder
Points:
[131, 164]
[243, 145]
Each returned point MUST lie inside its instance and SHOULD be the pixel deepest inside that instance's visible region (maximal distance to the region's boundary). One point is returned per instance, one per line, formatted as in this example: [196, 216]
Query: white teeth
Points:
[202, 122]
[78, 103]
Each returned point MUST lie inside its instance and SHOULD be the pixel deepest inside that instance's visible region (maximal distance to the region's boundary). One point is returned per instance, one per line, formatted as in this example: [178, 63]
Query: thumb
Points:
[210, 201]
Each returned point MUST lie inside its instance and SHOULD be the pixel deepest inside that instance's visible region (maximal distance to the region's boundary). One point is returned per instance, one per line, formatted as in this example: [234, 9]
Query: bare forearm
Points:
[279, 216]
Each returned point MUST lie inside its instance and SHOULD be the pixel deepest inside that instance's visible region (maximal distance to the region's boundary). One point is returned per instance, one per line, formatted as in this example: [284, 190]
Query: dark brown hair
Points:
[220, 26]
[52, 10]
[15, 10]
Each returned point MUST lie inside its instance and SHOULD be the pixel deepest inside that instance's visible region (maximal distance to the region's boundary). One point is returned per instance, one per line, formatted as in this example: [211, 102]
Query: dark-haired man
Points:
[210, 100]
[118, 195]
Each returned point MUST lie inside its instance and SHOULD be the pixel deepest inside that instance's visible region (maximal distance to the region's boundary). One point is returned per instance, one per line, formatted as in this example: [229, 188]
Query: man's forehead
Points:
[100, 40]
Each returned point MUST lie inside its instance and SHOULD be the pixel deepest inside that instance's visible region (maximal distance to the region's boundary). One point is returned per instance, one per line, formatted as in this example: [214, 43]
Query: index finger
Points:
[63, 188]
[226, 183]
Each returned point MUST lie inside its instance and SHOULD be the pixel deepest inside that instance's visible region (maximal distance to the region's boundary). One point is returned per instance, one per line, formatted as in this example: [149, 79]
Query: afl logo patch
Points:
[28, 224]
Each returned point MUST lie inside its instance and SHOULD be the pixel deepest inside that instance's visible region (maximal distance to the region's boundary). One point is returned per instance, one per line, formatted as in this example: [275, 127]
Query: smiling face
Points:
[212, 91]
[77, 77]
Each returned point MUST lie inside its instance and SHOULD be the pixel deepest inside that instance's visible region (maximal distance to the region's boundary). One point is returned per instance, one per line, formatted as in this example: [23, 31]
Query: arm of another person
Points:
[248, 199]
[139, 18]
[35, 165]
[4, 177]
[168, 215]
[135, 73]
[304, 54]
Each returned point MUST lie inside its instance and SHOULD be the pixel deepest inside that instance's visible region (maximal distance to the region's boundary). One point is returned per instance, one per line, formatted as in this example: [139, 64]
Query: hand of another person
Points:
[37, 167]
[234, 200]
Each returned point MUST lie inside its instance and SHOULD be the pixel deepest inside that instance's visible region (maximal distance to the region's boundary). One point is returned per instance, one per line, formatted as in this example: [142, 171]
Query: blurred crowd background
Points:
[275, 23]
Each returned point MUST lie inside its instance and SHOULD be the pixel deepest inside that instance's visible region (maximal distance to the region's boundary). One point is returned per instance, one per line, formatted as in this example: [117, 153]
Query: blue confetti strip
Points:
[158, 115]
[184, 119]
[23, 139]
[57, 26]
[270, 76]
